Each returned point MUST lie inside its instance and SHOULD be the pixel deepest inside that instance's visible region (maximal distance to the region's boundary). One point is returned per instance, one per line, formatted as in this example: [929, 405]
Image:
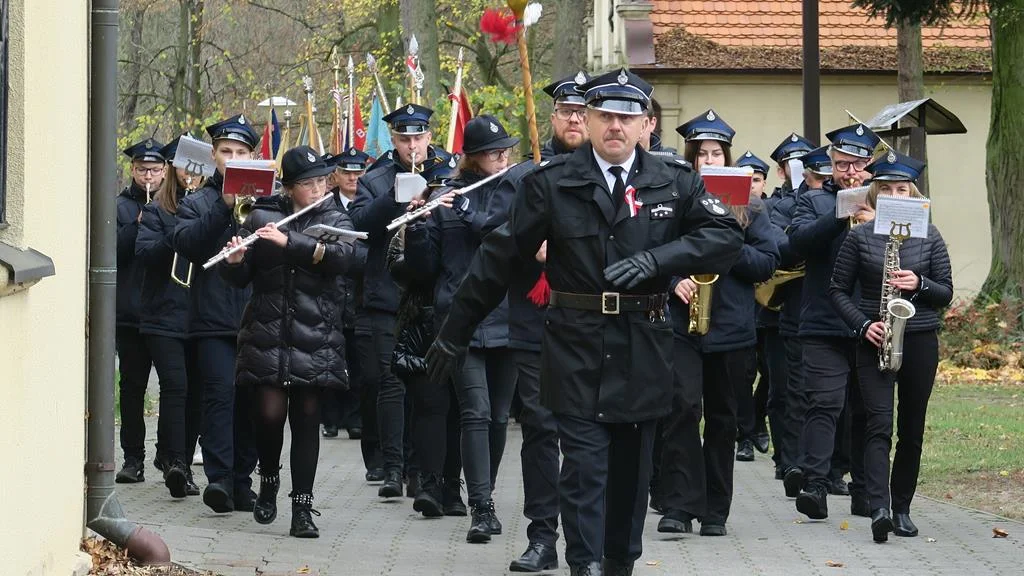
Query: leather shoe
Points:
[592, 569]
[613, 567]
[745, 451]
[838, 487]
[330, 431]
[131, 472]
[355, 433]
[218, 496]
[761, 440]
[813, 502]
[375, 475]
[881, 525]
[793, 482]
[676, 522]
[537, 558]
[904, 526]
[392, 486]
[780, 472]
[712, 529]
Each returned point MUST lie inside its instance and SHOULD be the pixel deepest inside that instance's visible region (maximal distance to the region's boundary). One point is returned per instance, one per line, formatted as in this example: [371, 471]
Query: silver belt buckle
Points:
[610, 303]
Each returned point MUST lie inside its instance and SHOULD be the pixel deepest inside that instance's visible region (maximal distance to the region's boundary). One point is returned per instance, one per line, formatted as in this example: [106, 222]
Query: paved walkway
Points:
[362, 535]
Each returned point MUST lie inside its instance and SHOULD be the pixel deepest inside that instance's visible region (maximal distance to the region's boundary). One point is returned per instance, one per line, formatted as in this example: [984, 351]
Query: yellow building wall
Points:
[764, 109]
[42, 329]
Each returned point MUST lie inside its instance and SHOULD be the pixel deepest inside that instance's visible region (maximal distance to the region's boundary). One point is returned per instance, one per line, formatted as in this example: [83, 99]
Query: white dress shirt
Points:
[609, 178]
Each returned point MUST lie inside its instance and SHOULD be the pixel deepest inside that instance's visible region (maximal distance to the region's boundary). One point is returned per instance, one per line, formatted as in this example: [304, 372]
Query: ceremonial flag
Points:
[337, 129]
[378, 137]
[266, 149]
[358, 128]
[465, 114]
[271, 143]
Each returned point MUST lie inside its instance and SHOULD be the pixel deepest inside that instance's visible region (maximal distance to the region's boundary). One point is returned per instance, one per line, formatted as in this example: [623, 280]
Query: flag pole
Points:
[337, 139]
[456, 101]
[307, 84]
[518, 7]
[412, 62]
[371, 63]
[351, 124]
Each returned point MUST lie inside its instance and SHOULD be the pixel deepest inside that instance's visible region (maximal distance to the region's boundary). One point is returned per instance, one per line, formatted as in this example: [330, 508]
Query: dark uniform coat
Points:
[616, 368]
[781, 214]
[164, 310]
[129, 273]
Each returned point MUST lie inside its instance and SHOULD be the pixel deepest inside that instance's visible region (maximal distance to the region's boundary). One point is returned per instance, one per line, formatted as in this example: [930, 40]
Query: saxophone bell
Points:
[891, 353]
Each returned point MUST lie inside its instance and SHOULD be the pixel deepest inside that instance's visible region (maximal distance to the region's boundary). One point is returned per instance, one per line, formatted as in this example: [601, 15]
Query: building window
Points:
[4, 41]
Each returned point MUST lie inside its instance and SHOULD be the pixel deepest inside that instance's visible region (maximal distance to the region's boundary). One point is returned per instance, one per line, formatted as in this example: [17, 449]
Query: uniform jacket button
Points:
[600, 415]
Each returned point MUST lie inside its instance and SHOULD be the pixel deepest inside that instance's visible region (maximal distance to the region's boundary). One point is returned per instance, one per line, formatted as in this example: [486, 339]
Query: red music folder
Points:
[729, 183]
[249, 177]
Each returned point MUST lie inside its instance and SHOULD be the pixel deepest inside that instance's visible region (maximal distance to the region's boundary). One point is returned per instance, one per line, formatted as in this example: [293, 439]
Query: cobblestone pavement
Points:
[364, 535]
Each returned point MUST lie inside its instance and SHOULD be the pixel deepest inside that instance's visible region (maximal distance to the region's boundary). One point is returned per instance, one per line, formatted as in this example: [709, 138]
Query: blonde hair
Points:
[167, 195]
[876, 186]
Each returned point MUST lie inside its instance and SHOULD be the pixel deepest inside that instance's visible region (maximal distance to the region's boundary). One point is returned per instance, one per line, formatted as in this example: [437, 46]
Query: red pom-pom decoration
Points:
[540, 294]
[500, 25]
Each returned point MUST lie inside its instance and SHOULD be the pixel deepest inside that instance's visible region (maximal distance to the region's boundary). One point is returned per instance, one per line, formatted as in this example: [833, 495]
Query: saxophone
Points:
[700, 303]
[894, 310]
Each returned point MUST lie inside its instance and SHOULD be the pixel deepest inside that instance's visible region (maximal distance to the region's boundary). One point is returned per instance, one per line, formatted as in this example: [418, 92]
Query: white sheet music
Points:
[796, 172]
[194, 156]
[331, 235]
[901, 211]
[847, 201]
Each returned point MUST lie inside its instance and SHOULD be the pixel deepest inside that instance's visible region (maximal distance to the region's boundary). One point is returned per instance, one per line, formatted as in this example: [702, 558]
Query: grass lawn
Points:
[974, 447]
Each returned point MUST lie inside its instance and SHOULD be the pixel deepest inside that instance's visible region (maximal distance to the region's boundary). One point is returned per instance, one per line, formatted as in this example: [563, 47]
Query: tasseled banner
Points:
[500, 25]
[541, 291]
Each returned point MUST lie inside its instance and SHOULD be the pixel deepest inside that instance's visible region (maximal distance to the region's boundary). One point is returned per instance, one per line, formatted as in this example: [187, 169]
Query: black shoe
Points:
[219, 497]
[412, 486]
[302, 517]
[592, 569]
[392, 487]
[903, 525]
[859, 505]
[428, 500]
[191, 488]
[793, 482]
[158, 463]
[131, 472]
[451, 499]
[745, 451]
[616, 567]
[495, 523]
[480, 525]
[761, 440]
[676, 522]
[838, 487]
[330, 431]
[264, 510]
[375, 475]
[780, 472]
[355, 433]
[176, 479]
[881, 525]
[813, 502]
[537, 558]
[656, 504]
[712, 529]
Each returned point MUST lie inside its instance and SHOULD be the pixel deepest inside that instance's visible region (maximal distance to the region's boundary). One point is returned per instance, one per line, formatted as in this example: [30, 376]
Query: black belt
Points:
[610, 302]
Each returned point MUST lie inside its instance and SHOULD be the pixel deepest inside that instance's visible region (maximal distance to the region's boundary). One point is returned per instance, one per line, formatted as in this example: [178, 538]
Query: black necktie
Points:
[619, 190]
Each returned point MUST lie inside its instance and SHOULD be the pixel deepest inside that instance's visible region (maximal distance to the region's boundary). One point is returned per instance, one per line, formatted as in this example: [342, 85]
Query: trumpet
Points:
[700, 303]
[436, 202]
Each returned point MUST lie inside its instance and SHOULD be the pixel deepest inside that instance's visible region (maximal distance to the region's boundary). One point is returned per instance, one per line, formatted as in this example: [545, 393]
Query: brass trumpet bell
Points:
[767, 293]
[243, 206]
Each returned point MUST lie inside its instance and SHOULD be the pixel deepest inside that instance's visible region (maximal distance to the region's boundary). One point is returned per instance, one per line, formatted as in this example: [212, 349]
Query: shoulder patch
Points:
[679, 163]
[714, 206]
[549, 162]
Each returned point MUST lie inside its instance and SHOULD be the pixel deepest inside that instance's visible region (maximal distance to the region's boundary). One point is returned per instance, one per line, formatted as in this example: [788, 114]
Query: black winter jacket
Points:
[129, 273]
[414, 323]
[781, 214]
[816, 234]
[164, 310]
[861, 259]
[205, 225]
[291, 332]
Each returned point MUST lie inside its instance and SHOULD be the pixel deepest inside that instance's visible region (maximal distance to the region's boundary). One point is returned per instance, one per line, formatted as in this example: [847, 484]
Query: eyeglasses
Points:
[493, 155]
[142, 170]
[844, 165]
[312, 182]
[568, 113]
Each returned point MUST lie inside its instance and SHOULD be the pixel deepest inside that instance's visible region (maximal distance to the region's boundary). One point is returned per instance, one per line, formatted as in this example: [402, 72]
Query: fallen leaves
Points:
[999, 533]
[844, 525]
[653, 562]
[833, 564]
[110, 560]
[931, 540]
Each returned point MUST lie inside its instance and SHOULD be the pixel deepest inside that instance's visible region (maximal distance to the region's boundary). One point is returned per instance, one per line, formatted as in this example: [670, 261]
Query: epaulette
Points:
[385, 160]
[551, 162]
[675, 160]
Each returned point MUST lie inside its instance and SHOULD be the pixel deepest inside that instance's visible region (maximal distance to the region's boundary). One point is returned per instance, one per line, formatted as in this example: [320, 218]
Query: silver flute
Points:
[433, 204]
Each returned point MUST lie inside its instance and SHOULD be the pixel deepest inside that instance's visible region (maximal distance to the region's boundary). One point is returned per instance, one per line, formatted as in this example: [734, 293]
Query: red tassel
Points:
[500, 25]
[541, 291]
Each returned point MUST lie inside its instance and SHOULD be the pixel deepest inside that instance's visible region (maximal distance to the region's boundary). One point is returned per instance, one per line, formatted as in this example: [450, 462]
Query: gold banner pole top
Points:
[518, 8]
[456, 101]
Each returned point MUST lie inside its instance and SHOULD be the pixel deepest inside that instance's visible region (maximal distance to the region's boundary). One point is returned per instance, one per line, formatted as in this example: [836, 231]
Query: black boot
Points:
[839, 487]
[813, 501]
[355, 433]
[881, 525]
[745, 451]
[176, 478]
[375, 475]
[495, 524]
[761, 441]
[191, 488]
[616, 567]
[264, 510]
[904, 526]
[302, 517]
[220, 496]
[392, 487]
[480, 525]
[676, 522]
[131, 472]
[592, 569]
[452, 499]
[428, 499]
[538, 557]
[245, 498]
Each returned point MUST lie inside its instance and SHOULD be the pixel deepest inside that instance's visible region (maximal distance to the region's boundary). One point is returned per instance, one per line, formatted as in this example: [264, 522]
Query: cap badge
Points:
[310, 157]
[352, 152]
[580, 78]
[860, 130]
[451, 162]
[748, 154]
[794, 138]
[622, 78]
[891, 157]
[410, 110]
[149, 144]
[493, 128]
[711, 116]
[241, 119]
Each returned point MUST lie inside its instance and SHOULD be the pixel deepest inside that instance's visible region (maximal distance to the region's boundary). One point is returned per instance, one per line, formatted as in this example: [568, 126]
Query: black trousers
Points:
[134, 364]
[682, 480]
[788, 422]
[391, 406]
[830, 381]
[341, 408]
[913, 385]
[539, 452]
[229, 451]
[181, 398]
[369, 386]
[435, 427]
[773, 351]
[603, 488]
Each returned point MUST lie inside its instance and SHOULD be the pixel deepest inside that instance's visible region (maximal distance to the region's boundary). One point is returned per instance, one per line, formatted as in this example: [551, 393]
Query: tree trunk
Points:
[133, 69]
[570, 39]
[910, 86]
[1005, 152]
[420, 17]
[181, 66]
[194, 105]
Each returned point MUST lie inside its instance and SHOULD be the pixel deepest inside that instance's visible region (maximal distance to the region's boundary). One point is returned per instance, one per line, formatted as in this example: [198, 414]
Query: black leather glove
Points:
[632, 271]
[443, 359]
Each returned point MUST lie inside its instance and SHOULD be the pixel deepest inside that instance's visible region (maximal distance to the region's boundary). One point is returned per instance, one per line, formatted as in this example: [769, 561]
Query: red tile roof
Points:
[763, 24]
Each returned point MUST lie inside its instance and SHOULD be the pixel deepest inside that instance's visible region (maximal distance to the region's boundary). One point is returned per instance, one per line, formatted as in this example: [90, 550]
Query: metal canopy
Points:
[925, 113]
[276, 101]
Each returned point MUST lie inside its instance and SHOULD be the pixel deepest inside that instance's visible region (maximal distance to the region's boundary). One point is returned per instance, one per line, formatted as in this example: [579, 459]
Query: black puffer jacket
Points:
[415, 320]
[291, 331]
[164, 310]
[129, 273]
[861, 260]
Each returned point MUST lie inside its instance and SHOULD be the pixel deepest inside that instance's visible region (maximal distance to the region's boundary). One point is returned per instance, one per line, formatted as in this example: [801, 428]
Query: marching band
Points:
[611, 288]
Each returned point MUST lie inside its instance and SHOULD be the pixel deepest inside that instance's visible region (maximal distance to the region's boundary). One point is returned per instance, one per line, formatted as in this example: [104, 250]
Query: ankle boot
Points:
[480, 524]
[452, 498]
[264, 511]
[428, 499]
[302, 517]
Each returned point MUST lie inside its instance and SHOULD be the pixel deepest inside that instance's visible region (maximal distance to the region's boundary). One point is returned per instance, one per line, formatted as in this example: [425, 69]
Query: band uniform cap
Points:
[351, 160]
[794, 146]
[410, 119]
[302, 162]
[619, 91]
[856, 140]
[237, 128]
[147, 150]
[707, 126]
[567, 90]
[895, 167]
[486, 133]
[818, 161]
[749, 159]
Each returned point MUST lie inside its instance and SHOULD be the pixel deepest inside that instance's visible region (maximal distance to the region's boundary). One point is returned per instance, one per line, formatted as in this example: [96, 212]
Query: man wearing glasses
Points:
[829, 345]
[134, 362]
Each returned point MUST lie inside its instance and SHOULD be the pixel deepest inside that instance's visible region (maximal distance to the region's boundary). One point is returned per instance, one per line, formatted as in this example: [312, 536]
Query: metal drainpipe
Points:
[103, 511]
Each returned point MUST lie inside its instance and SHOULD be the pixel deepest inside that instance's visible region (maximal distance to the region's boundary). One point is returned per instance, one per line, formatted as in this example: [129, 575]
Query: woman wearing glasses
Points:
[442, 248]
[290, 344]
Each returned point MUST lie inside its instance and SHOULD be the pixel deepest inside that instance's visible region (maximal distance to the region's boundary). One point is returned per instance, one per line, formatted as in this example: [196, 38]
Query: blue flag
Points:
[275, 138]
[378, 133]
